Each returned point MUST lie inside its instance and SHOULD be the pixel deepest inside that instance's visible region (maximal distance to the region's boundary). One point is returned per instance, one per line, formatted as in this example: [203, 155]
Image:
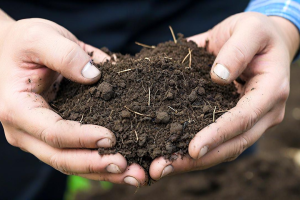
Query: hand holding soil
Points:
[35, 53]
[156, 101]
[28, 46]
[259, 50]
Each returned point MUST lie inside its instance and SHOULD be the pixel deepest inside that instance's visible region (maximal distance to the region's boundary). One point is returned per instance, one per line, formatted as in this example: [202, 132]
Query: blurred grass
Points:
[77, 184]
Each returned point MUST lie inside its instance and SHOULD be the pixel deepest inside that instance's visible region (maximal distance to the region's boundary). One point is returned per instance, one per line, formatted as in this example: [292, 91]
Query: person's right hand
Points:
[34, 54]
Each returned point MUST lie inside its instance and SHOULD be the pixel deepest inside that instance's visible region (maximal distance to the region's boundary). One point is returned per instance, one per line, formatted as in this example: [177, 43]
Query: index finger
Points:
[35, 117]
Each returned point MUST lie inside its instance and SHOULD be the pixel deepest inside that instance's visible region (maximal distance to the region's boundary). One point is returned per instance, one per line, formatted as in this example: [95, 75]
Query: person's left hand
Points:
[258, 49]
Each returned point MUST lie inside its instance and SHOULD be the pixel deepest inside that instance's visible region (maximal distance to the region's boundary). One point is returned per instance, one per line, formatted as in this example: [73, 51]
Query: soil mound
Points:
[154, 102]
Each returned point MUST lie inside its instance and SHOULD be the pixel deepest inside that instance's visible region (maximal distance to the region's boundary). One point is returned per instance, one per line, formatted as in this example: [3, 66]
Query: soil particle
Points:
[105, 91]
[176, 128]
[193, 96]
[180, 105]
[125, 114]
[162, 117]
[205, 109]
[201, 91]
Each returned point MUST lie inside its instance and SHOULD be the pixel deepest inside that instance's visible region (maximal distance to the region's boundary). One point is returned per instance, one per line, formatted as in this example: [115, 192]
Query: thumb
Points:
[236, 53]
[67, 57]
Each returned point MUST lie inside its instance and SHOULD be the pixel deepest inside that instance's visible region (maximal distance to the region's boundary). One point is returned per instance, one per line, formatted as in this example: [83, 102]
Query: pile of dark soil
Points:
[153, 102]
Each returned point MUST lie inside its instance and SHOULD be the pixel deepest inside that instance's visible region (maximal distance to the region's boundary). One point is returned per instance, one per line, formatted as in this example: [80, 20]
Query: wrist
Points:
[289, 33]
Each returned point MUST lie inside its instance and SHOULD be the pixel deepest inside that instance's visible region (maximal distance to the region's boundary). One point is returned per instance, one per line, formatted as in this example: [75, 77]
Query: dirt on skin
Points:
[153, 102]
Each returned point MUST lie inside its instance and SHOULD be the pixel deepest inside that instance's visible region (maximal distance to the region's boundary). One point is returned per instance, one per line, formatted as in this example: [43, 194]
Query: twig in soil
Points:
[168, 58]
[126, 70]
[172, 109]
[187, 55]
[190, 63]
[149, 97]
[110, 118]
[214, 113]
[175, 41]
[208, 103]
[54, 106]
[137, 137]
[143, 86]
[81, 119]
[145, 45]
[136, 112]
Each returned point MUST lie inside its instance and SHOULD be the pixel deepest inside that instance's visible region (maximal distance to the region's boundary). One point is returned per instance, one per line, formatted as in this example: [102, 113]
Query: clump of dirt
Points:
[153, 102]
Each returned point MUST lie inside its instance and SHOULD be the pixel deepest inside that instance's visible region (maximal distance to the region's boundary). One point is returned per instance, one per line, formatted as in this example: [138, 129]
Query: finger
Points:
[98, 55]
[200, 39]
[248, 111]
[225, 152]
[68, 161]
[134, 175]
[62, 54]
[237, 52]
[42, 123]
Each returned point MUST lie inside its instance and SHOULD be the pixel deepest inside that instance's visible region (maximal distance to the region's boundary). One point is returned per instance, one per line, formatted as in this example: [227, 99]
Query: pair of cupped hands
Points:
[35, 54]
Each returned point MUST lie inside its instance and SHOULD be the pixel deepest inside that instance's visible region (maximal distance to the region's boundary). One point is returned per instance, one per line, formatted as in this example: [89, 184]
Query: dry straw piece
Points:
[145, 45]
[175, 41]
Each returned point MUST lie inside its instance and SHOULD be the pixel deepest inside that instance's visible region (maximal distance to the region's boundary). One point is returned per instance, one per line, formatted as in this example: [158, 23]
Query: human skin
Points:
[259, 50]
[34, 55]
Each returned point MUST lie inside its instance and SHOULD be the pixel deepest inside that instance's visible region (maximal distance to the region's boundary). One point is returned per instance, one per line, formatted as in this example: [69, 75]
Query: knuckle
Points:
[11, 140]
[279, 118]
[69, 57]
[60, 164]
[249, 120]
[33, 32]
[6, 116]
[284, 92]
[90, 169]
[239, 52]
[239, 148]
[232, 158]
[55, 163]
[48, 136]
[255, 21]
[221, 136]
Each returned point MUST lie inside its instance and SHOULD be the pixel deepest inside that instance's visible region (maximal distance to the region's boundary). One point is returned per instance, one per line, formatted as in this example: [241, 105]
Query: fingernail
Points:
[221, 71]
[167, 170]
[131, 181]
[105, 142]
[90, 71]
[112, 168]
[203, 151]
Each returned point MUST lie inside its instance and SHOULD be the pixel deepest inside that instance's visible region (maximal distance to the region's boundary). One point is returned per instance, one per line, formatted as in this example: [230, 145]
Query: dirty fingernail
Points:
[131, 181]
[167, 170]
[203, 151]
[114, 169]
[221, 71]
[105, 142]
[90, 71]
